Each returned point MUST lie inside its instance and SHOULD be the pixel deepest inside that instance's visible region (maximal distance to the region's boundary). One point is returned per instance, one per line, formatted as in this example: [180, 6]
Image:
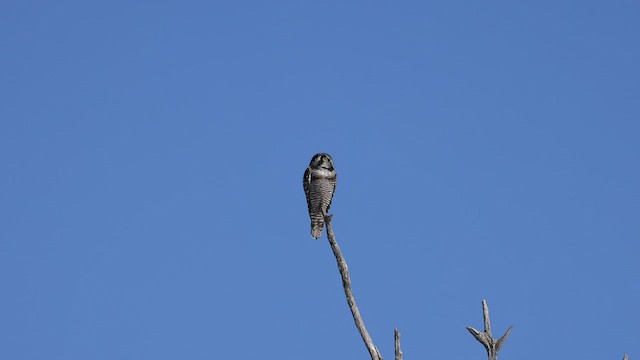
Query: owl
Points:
[319, 184]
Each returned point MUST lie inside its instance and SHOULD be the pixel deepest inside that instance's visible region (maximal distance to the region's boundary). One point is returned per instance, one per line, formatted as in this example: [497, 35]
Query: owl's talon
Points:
[327, 218]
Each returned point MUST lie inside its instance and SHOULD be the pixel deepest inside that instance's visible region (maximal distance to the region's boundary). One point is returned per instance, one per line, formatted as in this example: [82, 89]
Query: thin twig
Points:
[485, 338]
[396, 336]
[346, 284]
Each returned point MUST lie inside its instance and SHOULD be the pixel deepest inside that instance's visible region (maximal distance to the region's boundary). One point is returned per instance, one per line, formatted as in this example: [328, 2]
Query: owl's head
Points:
[321, 160]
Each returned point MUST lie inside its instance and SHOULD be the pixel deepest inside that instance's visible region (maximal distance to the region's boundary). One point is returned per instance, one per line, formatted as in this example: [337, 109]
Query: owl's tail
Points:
[317, 223]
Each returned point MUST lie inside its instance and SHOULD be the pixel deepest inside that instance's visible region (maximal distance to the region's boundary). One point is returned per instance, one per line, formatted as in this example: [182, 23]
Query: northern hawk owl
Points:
[319, 184]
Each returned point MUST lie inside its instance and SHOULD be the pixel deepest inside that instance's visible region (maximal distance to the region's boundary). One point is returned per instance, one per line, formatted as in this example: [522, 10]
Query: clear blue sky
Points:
[152, 153]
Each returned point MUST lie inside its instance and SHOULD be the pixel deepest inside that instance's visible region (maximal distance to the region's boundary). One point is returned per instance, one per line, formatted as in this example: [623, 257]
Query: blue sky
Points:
[152, 154]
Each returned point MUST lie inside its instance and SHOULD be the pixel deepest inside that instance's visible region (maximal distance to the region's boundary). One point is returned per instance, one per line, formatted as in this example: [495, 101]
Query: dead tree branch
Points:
[396, 335]
[485, 338]
[346, 284]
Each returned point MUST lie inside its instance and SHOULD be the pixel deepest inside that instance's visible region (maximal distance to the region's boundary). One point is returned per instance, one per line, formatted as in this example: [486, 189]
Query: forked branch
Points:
[485, 338]
[346, 284]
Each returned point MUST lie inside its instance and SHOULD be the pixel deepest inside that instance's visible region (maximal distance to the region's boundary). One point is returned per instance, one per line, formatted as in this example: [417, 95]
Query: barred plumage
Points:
[319, 184]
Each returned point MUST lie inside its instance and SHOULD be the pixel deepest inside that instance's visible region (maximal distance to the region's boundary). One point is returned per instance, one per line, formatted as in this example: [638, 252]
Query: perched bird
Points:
[319, 184]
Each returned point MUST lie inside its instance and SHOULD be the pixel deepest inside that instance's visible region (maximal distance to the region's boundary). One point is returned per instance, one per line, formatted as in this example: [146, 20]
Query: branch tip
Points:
[398, 351]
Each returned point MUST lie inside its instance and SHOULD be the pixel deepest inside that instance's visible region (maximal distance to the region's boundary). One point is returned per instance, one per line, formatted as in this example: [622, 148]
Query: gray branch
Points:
[346, 284]
[396, 335]
[485, 338]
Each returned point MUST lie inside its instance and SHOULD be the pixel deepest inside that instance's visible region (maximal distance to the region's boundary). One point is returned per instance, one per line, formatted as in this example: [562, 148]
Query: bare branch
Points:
[504, 338]
[485, 338]
[346, 284]
[485, 316]
[396, 336]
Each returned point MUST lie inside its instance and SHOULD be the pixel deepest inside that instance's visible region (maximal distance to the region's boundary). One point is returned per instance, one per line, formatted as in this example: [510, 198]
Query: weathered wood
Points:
[396, 336]
[346, 284]
[486, 338]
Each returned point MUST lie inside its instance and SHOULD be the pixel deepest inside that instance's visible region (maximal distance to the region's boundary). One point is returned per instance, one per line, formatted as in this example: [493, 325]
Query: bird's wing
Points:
[306, 182]
[333, 180]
